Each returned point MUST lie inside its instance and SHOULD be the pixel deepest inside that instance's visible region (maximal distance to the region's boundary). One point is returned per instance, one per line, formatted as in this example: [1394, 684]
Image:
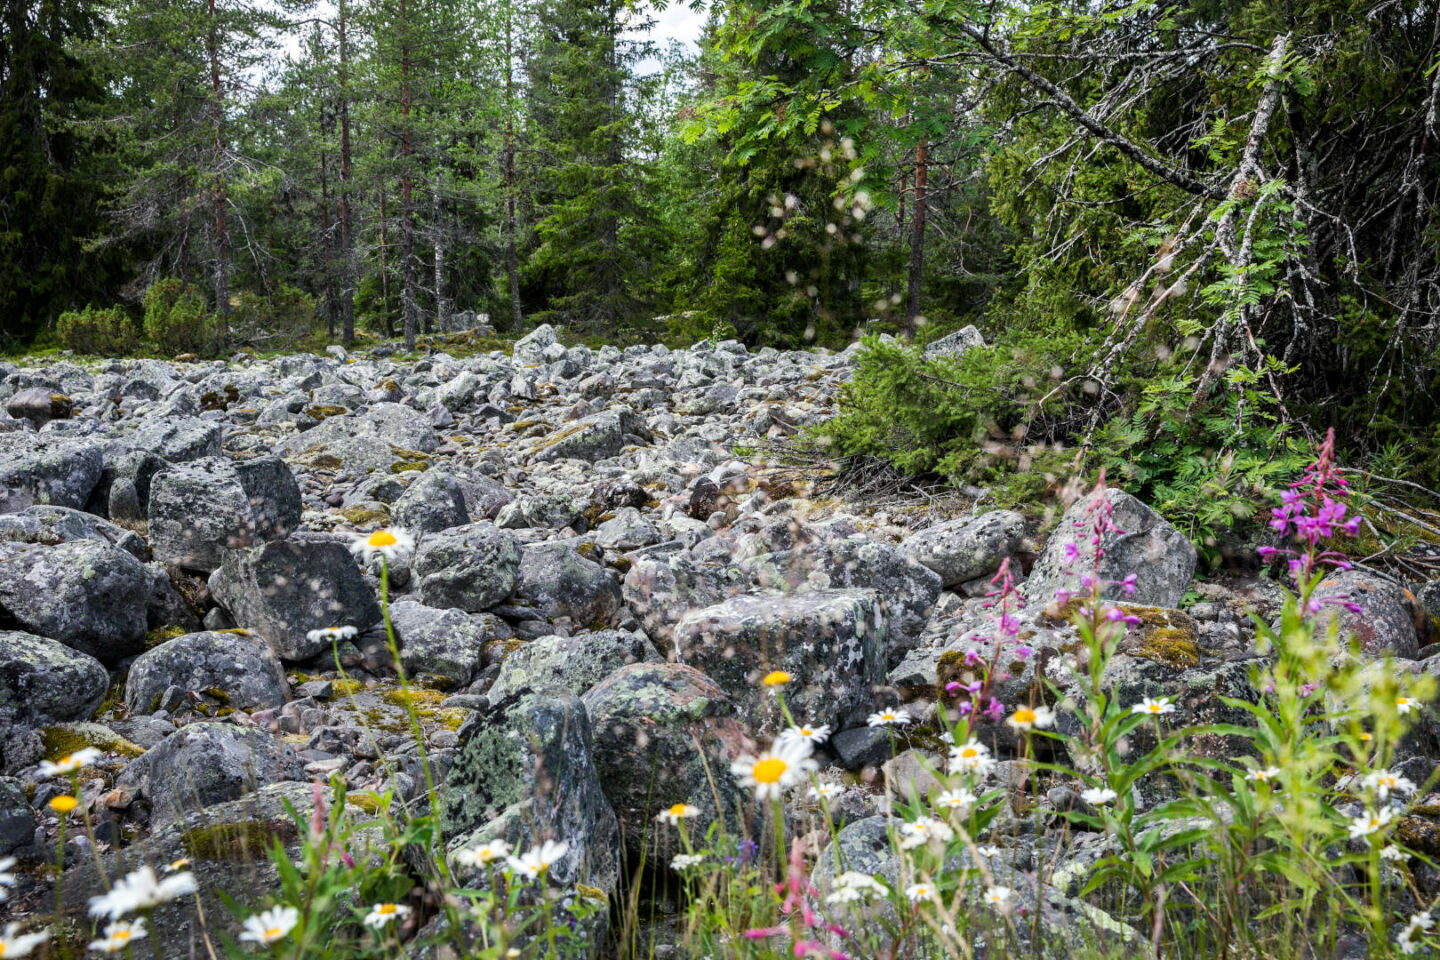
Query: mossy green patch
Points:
[243, 842]
[412, 697]
[63, 739]
[365, 516]
[160, 635]
[323, 411]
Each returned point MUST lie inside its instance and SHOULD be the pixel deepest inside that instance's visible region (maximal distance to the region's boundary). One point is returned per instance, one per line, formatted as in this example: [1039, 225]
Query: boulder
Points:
[664, 734]
[445, 648]
[433, 502]
[39, 405]
[539, 512]
[556, 581]
[954, 345]
[831, 642]
[523, 772]
[208, 763]
[42, 681]
[200, 510]
[178, 439]
[907, 590]
[240, 670]
[47, 470]
[530, 349]
[52, 525]
[596, 437]
[87, 594]
[627, 530]
[286, 588]
[966, 548]
[576, 663]
[1159, 555]
[123, 492]
[1386, 623]
[662, 589]
[473, 567]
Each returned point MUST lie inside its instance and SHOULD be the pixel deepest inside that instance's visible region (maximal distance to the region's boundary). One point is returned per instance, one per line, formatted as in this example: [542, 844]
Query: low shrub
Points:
[177, 318]
[105, 332]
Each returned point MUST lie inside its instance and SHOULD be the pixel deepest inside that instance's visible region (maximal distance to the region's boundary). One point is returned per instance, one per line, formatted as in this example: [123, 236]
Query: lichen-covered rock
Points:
[556, 581]
[524, 772]
[539, 512]
[1386, 621]
[473, 567]
[433, 502]
[831, 642]
[87, 594]
[47, 470]
[953, 345]
[966, 548]
[661, 590]
[39, 405]
[239, 670]
[596, 437]
[123, 492]
[907, 590]
[627, 530]
[576, 663]
[208, 763]
[52, 525]
[664, 734]
[200, 510]
[17, 818]
[42, 681]
[444, 648]
[284, 589]
[178, 439]
[1159, 556]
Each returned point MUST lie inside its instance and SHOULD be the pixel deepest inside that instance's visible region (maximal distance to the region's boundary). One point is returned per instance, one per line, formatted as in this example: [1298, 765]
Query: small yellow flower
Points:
[776, 678]
[64, 803]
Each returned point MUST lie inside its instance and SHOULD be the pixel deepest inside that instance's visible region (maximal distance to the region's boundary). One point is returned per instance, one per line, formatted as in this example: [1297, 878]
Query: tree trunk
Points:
[442, 303]
[327, 253]
[917, 235]
[347, 247]
[409, 302]
[385, 270]
[222, 236]
[512, 263]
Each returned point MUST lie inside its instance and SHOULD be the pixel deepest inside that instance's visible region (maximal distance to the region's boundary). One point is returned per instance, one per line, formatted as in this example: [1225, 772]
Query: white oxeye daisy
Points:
[119, 935]
[536, 861]
[15, 944]
[955, 800]
[1392, 853]
[331, 633]
[1026, 717]
[71, 763]
[7, 880]
[385, 913]
[389, 544]
[1369, 823]
[1405, 704]
[1154, 706]
[271, 925]
[920, 891]
[999, 897]
[889, 718]
[1098, 796]
[825, 791]
[677, 812]
[1383, 781]
[684, 861]
[851, 887]
[483, 853]
[775, 771]
[922, 830]
[812, 734]
[988, 850]
[1264, 775]
[141, 890]
[971, 757]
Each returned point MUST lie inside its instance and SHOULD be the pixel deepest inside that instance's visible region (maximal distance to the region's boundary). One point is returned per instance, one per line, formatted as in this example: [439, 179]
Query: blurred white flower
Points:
[385, 913]
[270, 925]
[773, 772]
[390, 544]
[71, 763]
[13, 943]
[118, 935]
[537, 860]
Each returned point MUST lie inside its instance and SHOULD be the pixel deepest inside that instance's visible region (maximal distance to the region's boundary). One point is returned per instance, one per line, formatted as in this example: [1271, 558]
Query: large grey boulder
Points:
[39, 405]
[178, 439]
[473, 567]
[966, 548]
[576, 663]
[530, 349]
[207, 763]
[1162, 560]
[556, 581]
[47, 470]
[87, 594]
[523, 772]
[662, 589]
[242, 668]
[664, 734]
[954, 345]
[444, 648]
[433, 502]
[907, 590]
[52, 525]
[287, 588]
[596, 437]
[200, 510]
[831, 642]
[42, 681]
[1386, 621]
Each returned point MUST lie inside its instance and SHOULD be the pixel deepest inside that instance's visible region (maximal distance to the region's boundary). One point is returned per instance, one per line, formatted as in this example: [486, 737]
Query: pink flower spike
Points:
[953, 688]
[1023, 652]
[1128, 585]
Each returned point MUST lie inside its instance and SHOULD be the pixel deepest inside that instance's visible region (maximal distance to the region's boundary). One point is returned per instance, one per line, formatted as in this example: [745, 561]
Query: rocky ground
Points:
[598, 583]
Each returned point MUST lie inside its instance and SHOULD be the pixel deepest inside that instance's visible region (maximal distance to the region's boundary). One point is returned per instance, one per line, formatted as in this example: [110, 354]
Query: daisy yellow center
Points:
[1156, 707]
[274, 933]
[1024, 715]
[770, 770]
[1374, 823]
[678, 810]
[969, 753]
[385, 909]
[121, 936]
[382, 538]
[64, 804]
[1365, 737]
[776, 678]
[3, 945]
[1387, 781]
